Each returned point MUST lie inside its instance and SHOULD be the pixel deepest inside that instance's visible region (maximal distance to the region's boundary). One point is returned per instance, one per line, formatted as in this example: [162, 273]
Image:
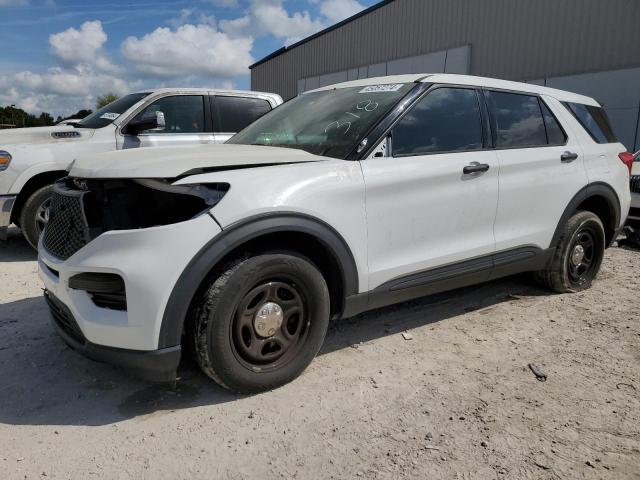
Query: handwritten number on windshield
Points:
[339, 125]
[366, 105]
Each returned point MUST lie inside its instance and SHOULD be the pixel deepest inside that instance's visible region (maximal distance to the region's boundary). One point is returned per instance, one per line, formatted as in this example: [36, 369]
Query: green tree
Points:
[105, 99]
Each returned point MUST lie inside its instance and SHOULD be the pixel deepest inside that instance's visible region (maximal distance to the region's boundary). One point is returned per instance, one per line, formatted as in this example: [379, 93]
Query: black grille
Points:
[64, 318]
[635, 183]
[67, 230]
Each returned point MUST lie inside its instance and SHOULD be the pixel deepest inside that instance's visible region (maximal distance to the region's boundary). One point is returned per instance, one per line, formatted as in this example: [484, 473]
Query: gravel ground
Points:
[456, 401]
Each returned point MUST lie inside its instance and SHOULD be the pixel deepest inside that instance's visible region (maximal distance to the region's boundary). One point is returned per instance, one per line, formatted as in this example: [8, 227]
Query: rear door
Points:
[541, 167]
[187, 122]
[232, 113]
[432, 203]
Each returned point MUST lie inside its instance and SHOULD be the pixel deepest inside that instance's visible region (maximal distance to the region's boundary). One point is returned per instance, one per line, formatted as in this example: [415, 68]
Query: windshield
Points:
[106, 115]
[329, 123]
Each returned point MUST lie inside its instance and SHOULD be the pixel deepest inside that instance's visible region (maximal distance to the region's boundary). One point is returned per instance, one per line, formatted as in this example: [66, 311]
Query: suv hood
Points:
[174, 162]
[34, 135]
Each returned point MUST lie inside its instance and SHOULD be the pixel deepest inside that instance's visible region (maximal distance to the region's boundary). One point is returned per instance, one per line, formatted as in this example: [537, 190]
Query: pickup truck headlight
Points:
[5, 160]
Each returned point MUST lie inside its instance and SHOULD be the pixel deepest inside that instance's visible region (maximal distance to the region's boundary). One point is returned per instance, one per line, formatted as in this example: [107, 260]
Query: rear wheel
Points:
[261, 322]
[35, 214]
[578, 256]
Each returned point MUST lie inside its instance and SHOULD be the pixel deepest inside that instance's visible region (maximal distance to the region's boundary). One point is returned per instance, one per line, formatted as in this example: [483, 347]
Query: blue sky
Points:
[58, 55]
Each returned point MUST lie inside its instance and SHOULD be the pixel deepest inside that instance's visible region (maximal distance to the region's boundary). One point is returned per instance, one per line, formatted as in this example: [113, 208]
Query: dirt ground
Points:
[456, 401]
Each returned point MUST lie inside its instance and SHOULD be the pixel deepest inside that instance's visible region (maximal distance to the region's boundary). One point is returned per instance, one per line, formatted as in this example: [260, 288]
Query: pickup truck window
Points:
[106, 115]
[328, 122]
[182, 114]
[235, 113]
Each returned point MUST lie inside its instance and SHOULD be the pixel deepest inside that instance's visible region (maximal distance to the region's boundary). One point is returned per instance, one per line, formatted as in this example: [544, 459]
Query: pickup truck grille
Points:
[67, 230]
[635, 183]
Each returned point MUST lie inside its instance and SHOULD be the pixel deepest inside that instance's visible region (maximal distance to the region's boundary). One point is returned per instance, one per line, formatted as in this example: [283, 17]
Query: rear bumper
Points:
[156, 365]
[6, 206]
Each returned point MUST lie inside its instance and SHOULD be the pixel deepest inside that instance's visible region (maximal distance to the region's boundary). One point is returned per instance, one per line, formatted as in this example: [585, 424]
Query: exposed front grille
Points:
[635, 183]
[67, 230]
[64, 318]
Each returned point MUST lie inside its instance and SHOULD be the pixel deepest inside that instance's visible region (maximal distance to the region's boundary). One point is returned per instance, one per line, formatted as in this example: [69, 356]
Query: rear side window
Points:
[518, 120]
[446, 120]
[233, 114]
[594, 120]
[555, 134]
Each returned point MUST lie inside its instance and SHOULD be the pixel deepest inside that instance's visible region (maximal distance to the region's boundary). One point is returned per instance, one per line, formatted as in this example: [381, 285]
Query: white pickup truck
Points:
[32, 159]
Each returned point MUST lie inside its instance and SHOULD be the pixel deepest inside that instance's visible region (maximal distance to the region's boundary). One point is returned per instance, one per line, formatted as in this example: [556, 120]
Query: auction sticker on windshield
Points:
[110, 116]
[381, 88]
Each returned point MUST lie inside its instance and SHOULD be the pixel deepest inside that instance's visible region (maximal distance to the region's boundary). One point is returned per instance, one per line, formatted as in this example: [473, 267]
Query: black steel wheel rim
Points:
[261, 343]
[582, 257]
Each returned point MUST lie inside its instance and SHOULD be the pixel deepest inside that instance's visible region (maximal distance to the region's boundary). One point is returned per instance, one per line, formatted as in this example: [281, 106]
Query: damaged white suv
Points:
[342, 200]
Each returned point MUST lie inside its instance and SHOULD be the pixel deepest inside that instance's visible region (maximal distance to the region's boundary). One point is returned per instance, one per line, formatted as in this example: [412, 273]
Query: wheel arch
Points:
[599, 198]
[34, 183]
[300, 233]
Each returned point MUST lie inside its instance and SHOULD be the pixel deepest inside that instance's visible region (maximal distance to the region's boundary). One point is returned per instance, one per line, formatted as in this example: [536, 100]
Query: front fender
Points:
[235, 236]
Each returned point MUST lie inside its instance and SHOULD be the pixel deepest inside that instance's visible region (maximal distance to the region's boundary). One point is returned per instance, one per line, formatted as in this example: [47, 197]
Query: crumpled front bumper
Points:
[150, 262]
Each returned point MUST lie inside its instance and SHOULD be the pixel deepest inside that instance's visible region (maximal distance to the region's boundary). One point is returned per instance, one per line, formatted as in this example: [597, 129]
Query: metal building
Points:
[586, 46]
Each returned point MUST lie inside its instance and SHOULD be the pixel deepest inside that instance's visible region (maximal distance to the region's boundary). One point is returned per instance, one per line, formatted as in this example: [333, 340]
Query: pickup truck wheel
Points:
[261, 322]
[578, 256]
[35, 214]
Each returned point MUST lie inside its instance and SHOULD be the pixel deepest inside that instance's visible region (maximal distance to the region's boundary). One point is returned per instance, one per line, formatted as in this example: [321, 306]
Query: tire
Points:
[563, 275]
[248, 353]
[33, 217]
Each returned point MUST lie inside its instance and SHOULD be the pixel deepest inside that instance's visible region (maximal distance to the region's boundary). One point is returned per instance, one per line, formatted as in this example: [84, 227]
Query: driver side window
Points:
[182, 114]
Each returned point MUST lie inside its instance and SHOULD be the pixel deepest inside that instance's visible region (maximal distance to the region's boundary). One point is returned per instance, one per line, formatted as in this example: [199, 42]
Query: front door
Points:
[433, 201]
[186, 123]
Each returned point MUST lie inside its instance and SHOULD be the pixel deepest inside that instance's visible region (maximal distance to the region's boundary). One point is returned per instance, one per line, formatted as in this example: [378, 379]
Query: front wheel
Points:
[261, 322]
[35, 214]
[578, 256]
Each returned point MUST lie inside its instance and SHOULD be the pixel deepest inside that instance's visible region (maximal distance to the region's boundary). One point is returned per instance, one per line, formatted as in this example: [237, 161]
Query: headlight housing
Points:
[5, 160]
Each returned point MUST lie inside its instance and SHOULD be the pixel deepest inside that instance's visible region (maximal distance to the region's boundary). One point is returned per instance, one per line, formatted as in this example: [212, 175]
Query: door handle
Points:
[475, 167]
[568, 157]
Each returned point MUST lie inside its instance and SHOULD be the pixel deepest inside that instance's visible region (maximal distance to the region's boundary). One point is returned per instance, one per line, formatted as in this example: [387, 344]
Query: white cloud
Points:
[189, 50]
[82, 46]
[85, 73]
[269, 17]
[57, 90]
[338, 10]
[190, 15]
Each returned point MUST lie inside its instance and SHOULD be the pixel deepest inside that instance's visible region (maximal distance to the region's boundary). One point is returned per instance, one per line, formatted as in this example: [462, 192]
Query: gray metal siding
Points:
[512, 39]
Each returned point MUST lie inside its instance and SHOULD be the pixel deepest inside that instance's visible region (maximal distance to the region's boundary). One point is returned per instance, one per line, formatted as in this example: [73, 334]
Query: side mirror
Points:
[148, 121]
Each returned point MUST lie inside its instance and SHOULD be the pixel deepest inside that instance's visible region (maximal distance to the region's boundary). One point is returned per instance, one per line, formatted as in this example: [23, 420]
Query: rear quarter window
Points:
[594, 120]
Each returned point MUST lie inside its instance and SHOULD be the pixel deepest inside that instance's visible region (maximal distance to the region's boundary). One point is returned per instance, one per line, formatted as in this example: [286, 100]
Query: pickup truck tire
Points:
[578, 256]
[33, 215]
[261, 322]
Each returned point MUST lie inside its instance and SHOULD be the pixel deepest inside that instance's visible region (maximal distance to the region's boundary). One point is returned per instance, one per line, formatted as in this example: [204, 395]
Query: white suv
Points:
[345, 199]
[31, 159]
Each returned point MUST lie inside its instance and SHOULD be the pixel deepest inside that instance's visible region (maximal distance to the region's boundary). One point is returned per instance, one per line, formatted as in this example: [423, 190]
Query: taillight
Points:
[627, 159]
